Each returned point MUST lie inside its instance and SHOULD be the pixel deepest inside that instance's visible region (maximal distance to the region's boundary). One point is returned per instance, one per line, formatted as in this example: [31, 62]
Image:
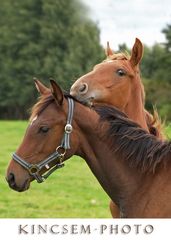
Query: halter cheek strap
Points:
[68, 127]
[34, 169]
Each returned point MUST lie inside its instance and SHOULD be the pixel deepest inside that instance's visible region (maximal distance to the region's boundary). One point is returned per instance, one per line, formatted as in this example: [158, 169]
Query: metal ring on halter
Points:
[68, 128]
[61, 150]
[33, 169]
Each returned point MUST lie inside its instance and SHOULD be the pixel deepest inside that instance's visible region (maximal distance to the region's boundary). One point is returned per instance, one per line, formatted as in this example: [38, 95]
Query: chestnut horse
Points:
[117, 81]
[128, 162]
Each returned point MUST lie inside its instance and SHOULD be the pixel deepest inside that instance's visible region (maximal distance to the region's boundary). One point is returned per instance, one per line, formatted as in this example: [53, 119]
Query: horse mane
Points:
[155, 125]
[143, 150]
[135, 144]
[153, 121]
[43, 102]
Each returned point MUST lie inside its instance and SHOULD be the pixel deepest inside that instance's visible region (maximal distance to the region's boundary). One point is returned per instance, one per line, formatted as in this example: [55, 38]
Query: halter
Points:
[34, 169]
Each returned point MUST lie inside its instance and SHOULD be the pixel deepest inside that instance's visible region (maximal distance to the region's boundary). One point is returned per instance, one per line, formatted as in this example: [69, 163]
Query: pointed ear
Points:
[108, 50]
[137, 53]
[57, 92]
[42, 89]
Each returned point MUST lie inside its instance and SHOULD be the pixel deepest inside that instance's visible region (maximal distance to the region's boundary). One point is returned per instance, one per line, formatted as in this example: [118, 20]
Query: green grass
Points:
[71, 192]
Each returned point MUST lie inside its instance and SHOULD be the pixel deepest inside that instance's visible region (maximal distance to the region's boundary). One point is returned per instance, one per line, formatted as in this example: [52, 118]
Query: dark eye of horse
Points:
[121, 72]
[43, 129]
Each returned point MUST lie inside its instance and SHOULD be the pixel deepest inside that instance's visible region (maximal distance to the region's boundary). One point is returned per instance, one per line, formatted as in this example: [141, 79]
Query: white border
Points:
[85, 229]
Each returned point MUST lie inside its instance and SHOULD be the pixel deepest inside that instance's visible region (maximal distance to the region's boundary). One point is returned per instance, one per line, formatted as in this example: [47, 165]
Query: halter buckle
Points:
[33, 169]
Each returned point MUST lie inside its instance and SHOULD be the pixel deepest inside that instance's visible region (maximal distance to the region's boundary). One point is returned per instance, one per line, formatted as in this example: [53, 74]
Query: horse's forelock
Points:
[42, 103]
[117, 56]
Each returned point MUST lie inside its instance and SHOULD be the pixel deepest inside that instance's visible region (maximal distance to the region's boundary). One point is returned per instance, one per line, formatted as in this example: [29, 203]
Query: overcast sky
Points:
[122, 20]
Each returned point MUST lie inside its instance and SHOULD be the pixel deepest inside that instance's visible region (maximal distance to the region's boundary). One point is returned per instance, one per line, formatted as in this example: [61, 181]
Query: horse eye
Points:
[43, 129]
[121, 72]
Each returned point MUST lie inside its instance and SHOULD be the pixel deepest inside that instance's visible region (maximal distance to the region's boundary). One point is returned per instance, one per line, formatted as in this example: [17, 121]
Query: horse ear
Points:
[57, 92]
[137, 53]
[108, 50]
[41, 88]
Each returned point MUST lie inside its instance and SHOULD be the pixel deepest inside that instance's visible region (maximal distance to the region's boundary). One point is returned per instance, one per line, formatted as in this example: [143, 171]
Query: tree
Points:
[157, 73]
[44, 39]
[167, 32]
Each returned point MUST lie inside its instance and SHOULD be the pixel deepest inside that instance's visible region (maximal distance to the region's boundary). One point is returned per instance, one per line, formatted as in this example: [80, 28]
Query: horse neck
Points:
[135, 105]
[111, 172]
[89, 146]
[125, 185]
[154, 192]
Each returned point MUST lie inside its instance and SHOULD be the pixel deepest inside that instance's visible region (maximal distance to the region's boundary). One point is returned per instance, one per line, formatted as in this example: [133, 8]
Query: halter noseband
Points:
[34, 169]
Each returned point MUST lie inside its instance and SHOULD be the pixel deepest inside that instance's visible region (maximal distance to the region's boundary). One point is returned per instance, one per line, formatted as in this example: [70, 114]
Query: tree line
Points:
[56, 39]
[42, 39]
[156, 75]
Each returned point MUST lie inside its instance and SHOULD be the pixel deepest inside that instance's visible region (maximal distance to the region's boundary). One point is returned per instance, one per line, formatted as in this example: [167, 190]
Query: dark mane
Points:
[143, 150]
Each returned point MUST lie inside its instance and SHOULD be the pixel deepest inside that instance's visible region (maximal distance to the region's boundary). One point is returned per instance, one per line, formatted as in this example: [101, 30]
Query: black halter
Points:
[34, 169]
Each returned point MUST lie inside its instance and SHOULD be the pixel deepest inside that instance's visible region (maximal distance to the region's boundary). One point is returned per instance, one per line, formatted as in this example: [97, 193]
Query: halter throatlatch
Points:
[34, 169]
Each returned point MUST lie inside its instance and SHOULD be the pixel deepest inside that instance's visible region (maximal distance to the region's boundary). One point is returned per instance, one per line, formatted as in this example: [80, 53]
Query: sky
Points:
[121, 21]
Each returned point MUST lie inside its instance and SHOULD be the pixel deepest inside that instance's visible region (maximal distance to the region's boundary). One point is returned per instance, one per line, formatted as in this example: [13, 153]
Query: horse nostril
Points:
[11, 179]
[83, 88]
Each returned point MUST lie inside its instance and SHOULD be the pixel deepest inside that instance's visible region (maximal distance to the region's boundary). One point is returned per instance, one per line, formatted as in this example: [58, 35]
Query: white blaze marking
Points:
[34, 119]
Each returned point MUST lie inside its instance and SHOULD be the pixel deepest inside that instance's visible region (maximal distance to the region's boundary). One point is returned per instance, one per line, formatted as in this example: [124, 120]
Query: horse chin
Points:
[88, 102]
[25, 186]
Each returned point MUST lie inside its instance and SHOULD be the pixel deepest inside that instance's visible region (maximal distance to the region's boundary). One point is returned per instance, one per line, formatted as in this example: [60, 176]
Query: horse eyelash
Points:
[40, 130]
[121, 70]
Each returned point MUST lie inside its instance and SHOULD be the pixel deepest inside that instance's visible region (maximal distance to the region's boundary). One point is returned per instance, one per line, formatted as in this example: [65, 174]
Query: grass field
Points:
[71, 192]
